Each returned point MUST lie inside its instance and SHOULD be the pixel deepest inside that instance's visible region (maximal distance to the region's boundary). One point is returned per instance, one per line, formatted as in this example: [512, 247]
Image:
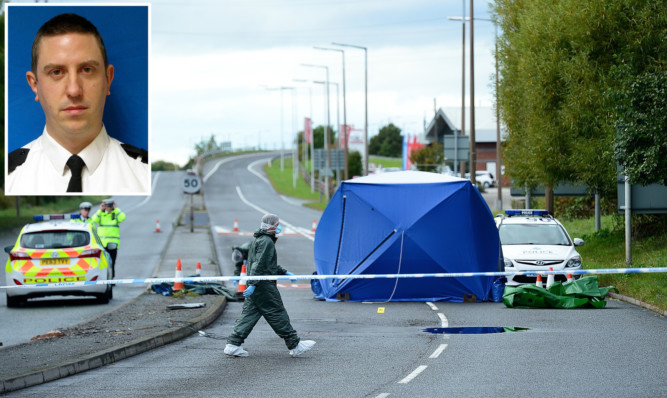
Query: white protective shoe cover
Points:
[235, 351]
[304, 345]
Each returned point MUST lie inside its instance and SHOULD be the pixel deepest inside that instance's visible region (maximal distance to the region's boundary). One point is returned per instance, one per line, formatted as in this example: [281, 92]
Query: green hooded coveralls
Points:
[265, 301]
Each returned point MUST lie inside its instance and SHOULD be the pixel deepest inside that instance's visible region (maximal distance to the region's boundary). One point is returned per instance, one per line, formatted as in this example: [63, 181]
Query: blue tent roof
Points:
[404, 223]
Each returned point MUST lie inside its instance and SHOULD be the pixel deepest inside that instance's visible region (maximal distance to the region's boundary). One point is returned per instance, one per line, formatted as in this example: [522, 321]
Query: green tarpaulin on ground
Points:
[581, 293]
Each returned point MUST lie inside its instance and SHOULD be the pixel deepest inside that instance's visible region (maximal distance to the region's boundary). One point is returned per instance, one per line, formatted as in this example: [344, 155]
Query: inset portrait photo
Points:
[77, 100]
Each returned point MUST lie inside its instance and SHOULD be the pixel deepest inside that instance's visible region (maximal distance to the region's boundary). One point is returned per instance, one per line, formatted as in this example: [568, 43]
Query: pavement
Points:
[142, 324]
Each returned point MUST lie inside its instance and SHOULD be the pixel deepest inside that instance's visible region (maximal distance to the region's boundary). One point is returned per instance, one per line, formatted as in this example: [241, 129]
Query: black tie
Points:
[75, 164]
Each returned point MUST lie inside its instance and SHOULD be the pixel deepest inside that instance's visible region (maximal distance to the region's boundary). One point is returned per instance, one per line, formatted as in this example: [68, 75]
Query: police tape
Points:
[52, 281]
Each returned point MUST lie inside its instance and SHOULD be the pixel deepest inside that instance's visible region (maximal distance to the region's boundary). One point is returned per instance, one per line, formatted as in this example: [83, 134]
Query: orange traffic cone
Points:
[198, 271]
[157, 226]
[179, 274]
[242, 281]
[538, 281]
[314, 225]
[550, 278]
[236, 224]
[569, 278]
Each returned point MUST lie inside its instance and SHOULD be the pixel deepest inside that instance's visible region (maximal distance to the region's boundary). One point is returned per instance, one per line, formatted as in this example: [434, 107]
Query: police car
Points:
[532, 240]
[57, 250]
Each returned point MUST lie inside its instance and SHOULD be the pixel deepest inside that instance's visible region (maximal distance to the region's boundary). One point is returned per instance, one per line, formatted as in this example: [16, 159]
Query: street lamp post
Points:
[498, 157]
[473, 144]
[337, 111]
[345, 175]
[326, 131]
[366, 100]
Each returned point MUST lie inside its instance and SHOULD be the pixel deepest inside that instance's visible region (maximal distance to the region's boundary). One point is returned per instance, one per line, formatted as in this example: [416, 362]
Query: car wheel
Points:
[106, 296]
[14, 301]
[486, 185]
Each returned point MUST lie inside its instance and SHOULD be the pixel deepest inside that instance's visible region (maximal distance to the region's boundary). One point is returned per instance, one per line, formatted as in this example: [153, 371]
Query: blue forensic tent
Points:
[405, 223]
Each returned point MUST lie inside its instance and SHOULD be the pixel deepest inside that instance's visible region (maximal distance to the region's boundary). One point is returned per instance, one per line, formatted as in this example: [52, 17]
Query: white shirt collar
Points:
[91, 154]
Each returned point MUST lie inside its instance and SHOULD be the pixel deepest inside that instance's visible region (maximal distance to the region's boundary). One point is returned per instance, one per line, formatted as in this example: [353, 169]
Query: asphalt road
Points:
[141, 248]
[380, 349]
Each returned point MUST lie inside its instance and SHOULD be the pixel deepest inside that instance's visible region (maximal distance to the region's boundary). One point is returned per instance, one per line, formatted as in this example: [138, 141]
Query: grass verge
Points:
[606, 249]
[282, 182]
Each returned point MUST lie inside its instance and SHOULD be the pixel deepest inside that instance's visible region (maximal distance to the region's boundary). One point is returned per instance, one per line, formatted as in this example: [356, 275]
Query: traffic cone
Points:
[157, 226]
[314, 225]
[550, 278]
[236, 224]
[198, 271]
[569, 278]
[538, 281]
[179, 274]
[242, 281]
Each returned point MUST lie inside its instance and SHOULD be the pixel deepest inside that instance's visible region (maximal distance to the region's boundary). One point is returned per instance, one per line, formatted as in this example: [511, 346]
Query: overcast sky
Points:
[212, 62]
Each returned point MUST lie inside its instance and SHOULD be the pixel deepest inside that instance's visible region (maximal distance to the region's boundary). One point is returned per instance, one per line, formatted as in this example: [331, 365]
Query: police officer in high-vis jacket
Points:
[84, 212]
[108, 218]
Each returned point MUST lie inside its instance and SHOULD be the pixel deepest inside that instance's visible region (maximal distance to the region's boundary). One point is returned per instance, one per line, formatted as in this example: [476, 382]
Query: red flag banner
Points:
[308, 130]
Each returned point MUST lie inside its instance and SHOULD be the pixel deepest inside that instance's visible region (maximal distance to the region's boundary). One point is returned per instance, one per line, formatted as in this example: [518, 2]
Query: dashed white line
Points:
[412, 375]
[383, 395]
[443, 319]
[438, 351]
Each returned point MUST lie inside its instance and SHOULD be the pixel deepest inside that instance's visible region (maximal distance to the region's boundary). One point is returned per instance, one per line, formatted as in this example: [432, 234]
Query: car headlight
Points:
[574, 262]
[508, 262]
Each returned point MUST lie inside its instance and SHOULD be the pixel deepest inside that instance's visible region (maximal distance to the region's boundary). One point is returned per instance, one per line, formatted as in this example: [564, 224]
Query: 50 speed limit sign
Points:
[191, 184]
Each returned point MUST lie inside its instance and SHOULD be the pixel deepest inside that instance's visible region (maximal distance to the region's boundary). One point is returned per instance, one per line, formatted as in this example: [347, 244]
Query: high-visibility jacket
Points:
[107, 225]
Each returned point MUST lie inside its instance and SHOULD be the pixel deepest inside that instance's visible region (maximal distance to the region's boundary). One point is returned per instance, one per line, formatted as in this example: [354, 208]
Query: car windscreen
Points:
[532, 234]
[54, 239]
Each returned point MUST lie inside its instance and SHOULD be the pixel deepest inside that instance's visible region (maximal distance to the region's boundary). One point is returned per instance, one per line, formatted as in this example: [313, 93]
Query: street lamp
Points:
[312, 141]
[366, 100]
[326, 131]
[337, 115]
[498, 158]
[463, 82]
[344, 108]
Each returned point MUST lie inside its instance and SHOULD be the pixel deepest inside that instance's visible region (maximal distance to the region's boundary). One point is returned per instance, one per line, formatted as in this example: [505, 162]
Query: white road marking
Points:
[143, 202]
[433, 307]
[443, 319]
[438, 351]
[412, 375]
[253, 171]
[302, 231]
[383, 395]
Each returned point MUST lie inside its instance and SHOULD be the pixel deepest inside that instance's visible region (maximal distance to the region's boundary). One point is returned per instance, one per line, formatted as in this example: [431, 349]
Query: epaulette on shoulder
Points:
[16, 158]
[134, 152]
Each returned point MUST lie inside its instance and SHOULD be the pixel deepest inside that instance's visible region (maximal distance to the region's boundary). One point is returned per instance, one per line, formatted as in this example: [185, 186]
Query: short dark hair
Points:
[62, 24]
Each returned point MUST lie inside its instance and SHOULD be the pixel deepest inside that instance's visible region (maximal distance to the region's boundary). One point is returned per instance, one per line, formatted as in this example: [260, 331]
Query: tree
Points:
[318, 137]
[556, 68]
[428, 158]
[354, 164]
[161, 165]
[388, 142]
[640, 146]
[204, 146]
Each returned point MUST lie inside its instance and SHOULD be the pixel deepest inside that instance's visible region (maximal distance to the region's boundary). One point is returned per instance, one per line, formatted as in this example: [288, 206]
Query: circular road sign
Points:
[191, 184]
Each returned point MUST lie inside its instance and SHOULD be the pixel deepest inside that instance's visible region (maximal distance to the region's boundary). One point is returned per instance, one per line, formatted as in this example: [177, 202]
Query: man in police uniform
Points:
[71, 77]
[108, 218]
[84, 212]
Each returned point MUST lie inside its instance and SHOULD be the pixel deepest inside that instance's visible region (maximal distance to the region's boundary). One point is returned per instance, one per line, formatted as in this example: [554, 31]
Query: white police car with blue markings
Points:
[532, 240]
[56, 251]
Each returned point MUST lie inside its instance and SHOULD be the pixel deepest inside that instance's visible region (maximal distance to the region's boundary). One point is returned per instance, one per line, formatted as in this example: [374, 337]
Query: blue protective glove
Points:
[249, 291]
[289, 273]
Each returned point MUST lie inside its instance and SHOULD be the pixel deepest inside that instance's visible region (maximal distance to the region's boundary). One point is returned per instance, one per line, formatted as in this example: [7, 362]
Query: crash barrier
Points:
[194, 279]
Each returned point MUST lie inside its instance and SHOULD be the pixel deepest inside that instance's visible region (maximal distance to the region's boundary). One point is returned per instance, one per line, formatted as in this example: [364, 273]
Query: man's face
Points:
[84, 212]
[71, 83]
